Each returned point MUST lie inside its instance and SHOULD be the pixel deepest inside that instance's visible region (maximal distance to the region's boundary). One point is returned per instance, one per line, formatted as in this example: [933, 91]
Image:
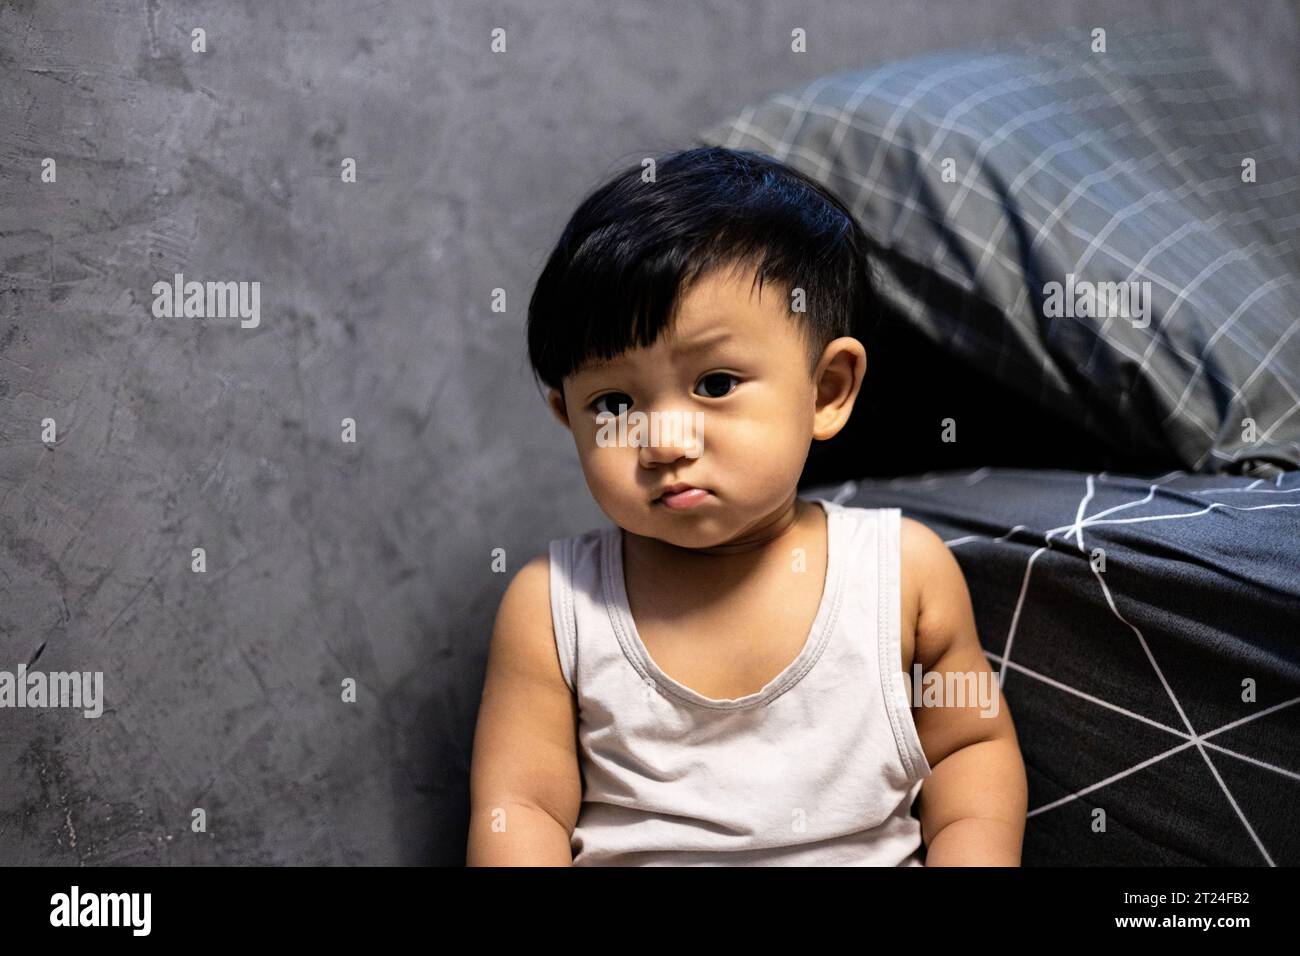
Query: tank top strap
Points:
[566, 631]
[577, 594]
[890, 635]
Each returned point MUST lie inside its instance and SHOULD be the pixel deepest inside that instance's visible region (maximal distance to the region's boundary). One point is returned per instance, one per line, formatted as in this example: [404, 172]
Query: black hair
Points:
[633, 248]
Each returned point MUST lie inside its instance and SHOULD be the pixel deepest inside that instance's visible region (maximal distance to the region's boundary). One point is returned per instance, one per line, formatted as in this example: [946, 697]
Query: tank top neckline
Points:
[615, 588]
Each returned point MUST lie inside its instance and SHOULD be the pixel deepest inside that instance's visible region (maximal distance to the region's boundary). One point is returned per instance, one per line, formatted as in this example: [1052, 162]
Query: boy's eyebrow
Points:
[703, 341]
[700, 341]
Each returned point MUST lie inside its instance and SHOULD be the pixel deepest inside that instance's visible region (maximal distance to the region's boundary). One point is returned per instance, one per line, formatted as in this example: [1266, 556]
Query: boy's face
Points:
[736, 363]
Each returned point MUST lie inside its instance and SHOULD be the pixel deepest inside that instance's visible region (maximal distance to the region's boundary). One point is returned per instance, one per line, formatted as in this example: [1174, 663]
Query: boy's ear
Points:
[555, 399]
[838, 379]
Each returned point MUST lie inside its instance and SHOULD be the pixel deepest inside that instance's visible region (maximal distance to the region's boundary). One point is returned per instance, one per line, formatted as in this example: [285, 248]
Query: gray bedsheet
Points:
[1129, 686]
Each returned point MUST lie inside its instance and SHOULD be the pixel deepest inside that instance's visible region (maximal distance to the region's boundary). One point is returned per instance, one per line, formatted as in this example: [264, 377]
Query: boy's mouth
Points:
[680, 496]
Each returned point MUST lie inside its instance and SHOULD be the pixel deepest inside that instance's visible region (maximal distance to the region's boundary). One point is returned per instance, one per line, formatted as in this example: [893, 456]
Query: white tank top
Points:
[818, 768]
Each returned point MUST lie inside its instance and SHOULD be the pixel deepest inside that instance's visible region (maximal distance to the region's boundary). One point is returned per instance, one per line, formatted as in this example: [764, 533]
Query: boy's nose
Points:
[661, 454]
[675, 438]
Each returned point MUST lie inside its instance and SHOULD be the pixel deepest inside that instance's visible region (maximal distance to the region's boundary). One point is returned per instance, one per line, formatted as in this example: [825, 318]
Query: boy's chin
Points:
[690, 534]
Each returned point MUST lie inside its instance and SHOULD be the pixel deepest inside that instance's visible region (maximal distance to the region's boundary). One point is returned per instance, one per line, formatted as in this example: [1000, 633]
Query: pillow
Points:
[1108, 233]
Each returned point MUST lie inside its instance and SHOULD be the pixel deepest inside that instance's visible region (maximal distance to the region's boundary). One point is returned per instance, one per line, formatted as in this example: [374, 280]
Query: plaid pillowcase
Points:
[1109, 232]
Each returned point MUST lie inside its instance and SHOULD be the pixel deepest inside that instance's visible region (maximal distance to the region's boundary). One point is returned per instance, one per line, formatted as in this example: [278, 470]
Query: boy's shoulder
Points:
[928, 561]
[529, 589]
[933, 586]
[917, 557]
[919, 541]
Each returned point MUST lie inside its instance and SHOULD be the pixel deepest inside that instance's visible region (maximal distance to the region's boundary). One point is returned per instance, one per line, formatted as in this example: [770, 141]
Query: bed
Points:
[1122, 491]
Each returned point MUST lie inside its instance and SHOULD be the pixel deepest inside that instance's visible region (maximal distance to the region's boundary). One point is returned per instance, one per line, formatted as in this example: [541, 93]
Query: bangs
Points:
[634, 249]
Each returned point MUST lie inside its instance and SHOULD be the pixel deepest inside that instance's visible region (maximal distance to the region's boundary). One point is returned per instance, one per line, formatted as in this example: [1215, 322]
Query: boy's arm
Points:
[973, 804]
[525, 783]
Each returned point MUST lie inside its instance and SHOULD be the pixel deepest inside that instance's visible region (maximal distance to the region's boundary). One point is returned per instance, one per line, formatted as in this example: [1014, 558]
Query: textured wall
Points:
[327, 559]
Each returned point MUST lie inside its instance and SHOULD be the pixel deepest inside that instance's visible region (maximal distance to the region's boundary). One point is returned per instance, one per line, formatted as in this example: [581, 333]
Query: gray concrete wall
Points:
[328, 560]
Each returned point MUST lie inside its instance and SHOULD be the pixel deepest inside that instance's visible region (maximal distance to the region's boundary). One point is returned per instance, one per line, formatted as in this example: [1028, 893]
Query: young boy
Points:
[723, 675]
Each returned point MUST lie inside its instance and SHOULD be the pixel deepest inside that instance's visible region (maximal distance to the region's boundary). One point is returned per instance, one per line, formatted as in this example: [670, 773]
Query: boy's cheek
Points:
[759, 436]
[611, 470]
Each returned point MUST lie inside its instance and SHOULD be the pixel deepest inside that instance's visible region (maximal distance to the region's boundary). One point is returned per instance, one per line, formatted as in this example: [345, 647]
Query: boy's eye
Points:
[619, 402]
[716, 384]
